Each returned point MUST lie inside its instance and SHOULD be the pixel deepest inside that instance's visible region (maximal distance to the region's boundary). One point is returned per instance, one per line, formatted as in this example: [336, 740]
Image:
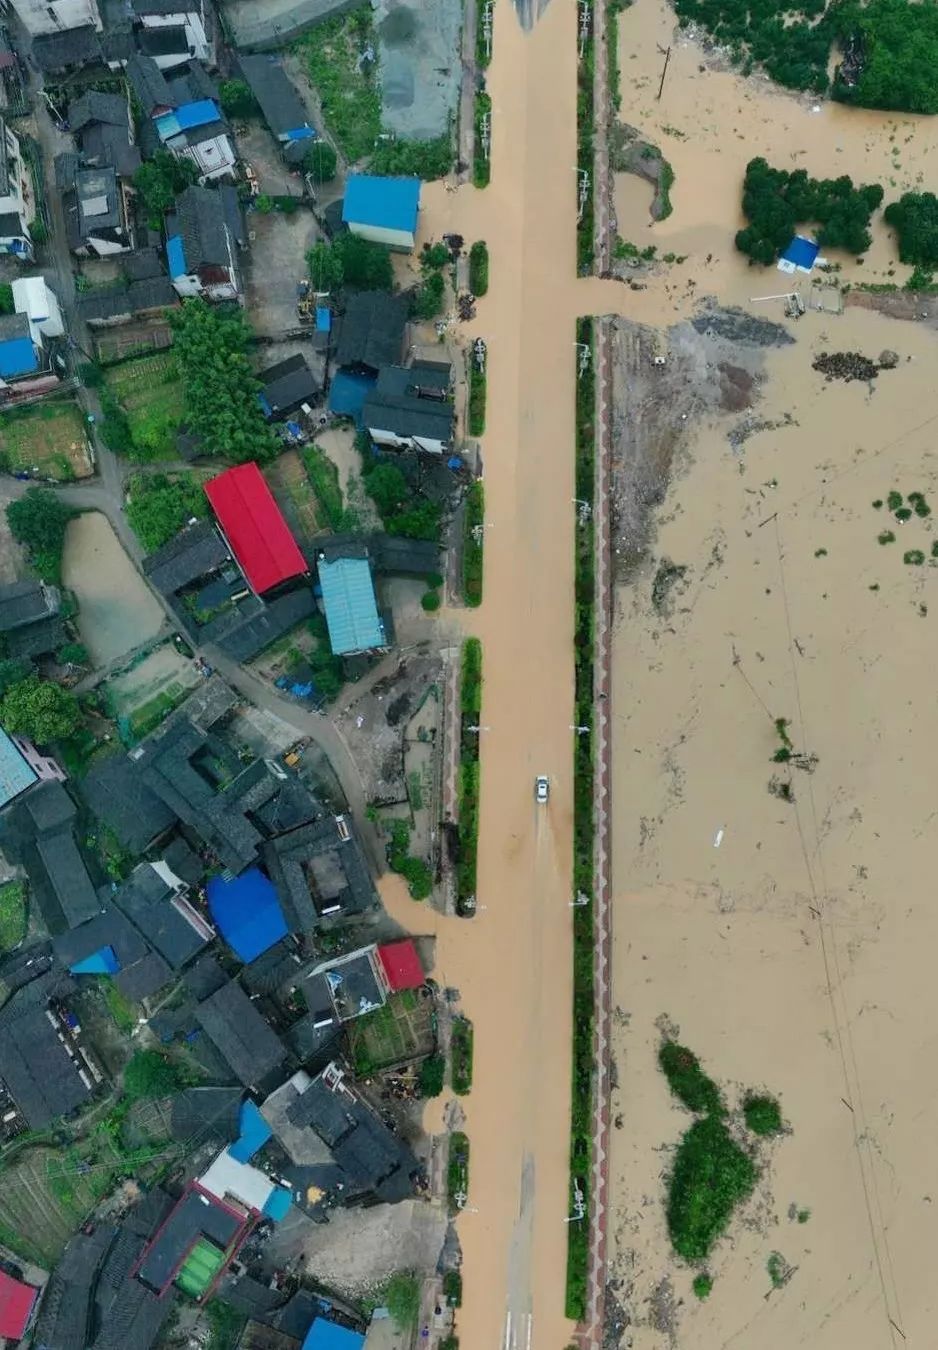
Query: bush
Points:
[473, 545]
[702, 1286]
[335, 53]
[481, 167]
[264, 204]
[321, 161]
[414, 159]
[402, 1299]
[6, 298]
[762, 1114]
[350, 261]
[237, 99]
[72, 654]
[479, 268]
[39, 231]
[435, 256]
[687, 1080]
[415, 871]
[711, 1175]
[158, 506]
[151, 1074]
[38, 520]
[431, 1075]
[452, 1288]
[159, 181]
[476, 399]
[430, 600]
[429, 297]
[324, 480]
[461, 1048]
[776, 202]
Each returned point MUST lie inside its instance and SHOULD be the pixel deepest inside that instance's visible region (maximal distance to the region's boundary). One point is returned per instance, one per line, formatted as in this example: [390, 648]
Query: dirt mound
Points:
[846, 366]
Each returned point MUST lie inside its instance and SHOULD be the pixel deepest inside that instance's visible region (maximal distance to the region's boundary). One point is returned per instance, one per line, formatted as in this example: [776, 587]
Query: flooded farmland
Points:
[774, 918]
[116, 609]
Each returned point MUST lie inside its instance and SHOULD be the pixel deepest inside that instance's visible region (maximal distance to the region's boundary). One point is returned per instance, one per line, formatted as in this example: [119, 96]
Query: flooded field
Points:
[116, 608]
[710, 122]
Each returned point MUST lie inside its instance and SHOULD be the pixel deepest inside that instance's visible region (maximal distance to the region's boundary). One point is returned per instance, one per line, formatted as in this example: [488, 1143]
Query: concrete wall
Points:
[398, 239]
[263, 25]
[52, 16]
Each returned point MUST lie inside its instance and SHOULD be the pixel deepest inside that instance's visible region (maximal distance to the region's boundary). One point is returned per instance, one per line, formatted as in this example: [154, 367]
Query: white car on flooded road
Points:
[541, 788]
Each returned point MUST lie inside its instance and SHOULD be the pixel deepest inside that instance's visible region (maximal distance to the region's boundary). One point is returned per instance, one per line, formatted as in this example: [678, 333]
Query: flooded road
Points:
[117, 610]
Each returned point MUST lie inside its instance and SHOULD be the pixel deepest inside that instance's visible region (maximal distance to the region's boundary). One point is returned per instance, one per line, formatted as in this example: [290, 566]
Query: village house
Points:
[182, 115]
[39, 17]
[17, 200]
[204, 235]
[410, 408]
[383, 210]
[283, 109]
[95, 206]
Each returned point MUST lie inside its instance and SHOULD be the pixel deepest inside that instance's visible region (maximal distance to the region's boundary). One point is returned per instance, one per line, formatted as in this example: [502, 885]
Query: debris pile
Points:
[466, 306]
[846, 366]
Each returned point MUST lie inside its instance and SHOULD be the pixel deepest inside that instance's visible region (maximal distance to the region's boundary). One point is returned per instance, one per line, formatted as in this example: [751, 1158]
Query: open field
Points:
[150, 392]
[792, 950]
[395, 1034]
[141, 697]
[47, 440]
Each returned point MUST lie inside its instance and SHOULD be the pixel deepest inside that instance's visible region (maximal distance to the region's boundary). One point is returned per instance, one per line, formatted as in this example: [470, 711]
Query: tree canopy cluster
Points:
[210, 346]
[39, 709]
[159, 180]
[890, 46]
[350, 261]
[914, 217]
[776, 202]
[38, 521]
[158, 506]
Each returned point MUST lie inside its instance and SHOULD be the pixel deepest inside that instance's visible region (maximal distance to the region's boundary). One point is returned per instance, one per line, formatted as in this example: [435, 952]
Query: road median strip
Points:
[470, 708]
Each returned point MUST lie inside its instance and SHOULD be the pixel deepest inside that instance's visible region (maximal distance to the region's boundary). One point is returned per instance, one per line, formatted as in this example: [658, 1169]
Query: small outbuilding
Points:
[348, 596]
[254, 527]
[384, 210]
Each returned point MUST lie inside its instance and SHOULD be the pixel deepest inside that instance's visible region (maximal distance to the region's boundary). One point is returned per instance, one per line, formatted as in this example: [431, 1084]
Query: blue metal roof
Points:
[176, 257]
[324, 1335]
[323, 319]
[348, 594]
[190, 115]
[17, 357]
[246, 912]
[254, 1133]
[15, 774]
[102, 962]
[300, 133]
[391, 203]
[801, 253]
[348, 392]
[277, 1204]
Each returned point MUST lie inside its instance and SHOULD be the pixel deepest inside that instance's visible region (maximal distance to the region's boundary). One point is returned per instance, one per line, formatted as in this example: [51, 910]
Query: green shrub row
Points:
[584, 154]
[457, 1169]
[461, 1050]
[581, 1114]
[473, 544]
[481, 167]
[476, 399]
[470, 700]
[479, 267]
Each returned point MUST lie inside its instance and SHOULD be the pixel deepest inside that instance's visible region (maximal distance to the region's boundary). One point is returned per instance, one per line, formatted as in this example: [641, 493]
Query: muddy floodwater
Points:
[778, 918]
[116, 610]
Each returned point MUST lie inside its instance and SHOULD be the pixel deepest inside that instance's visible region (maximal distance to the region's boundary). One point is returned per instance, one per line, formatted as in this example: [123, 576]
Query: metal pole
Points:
[667, 58]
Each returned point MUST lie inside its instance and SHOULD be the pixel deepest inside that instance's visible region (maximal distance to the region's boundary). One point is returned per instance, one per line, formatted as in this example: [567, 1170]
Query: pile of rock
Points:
[846, 366]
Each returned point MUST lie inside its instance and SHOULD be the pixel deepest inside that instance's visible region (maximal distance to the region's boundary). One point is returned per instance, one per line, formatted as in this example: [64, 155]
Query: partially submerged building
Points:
[384, 210]
[411, 408]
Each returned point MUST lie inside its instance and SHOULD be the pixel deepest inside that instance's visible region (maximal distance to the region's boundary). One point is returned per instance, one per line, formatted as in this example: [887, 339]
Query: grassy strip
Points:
[481, 170]
[665, 184]
[414, 159]
[461, 1047]
[457, 1170]
[581, 1121]
[324, 480]
[347, 88]
[613, 9]
[470, 707]
[473, 544]
[479, 267]
[584, 154]
[476, 399]
[12, 914]
[483, 57]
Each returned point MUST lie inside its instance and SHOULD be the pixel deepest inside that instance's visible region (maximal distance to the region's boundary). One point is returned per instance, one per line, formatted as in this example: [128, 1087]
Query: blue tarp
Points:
[799, 256]
[254, 1133]
[176, 257]
[323, 319]
[324, 1335]
[246, 912]
[385, 203]
[277, 1205]
[347, 394]
[101, 962]
[17, 357]
[266, 409]
[300, 134]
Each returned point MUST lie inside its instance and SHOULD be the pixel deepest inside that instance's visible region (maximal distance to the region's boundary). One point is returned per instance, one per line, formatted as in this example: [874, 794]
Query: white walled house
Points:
[17, 203]
[204, 238]
[194, 16]
[185, 115]
[410, 408]
[383, 210]
[55, 16]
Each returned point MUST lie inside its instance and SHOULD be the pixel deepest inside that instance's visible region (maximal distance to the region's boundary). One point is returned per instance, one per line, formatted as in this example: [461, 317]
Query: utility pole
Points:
[667, 58]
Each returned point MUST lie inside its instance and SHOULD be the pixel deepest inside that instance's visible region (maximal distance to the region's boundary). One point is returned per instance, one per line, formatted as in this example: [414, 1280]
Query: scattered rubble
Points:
[847, 366]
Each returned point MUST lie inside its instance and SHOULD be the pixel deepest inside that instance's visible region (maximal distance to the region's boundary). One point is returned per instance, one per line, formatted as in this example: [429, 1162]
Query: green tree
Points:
[776, 203]
[898, 43]
[72, 654]
[402, 1297]
[13, 670]
[428, 298]
[151, 1074]
[366, 266]
[237, 99]
[6, 298]
[38, 520]
[321, 161]
[159, 180]
[762, 1114]
[387, 488]
[39, 709]
[210, 346]
[325, 268]
[39, 231]
[158, 506]
[430, 1079]
[914, 217]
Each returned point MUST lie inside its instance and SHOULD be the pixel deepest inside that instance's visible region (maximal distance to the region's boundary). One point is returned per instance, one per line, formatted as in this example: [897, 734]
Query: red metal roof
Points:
[401, 965]
[258, 534]
[16, 1303]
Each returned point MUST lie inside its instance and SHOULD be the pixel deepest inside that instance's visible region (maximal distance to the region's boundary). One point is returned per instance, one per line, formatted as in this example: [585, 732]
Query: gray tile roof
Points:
[243, 633]
[65, 1314]
[373, 328]
[148, 902]
[395, 406]
[195, 551]
[53, 52]
[169, 40]
[206, 1113]
[281, 105]
[207, 223]
[24, 602]
[144, 978]
[107, 929]
[288, 384]
[67, 875]
[250, 1047]
[319, 876]
[38, 1071]
[117, 795]
[95, 106]
[149, 84]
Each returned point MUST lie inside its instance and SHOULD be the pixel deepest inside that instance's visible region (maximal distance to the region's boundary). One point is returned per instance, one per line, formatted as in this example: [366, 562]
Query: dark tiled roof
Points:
[194, 552]
[65, 1315]
[248, 1044]
[394, 406]
[95, 106]
[104, 144]
[49, 806]
[202, 216]
[164, 41]
[205, 1113]
[144, 977]
[116, 794]
[269, 971]
[192, 84]
[72, 47]
[316, 871]
[142, 264]
[204, 978]
[147, 901]
[39, 1073]
[183, 860]
[45, 636]
[373, 328]
[149, 84]
[11, 226]
[107, 929]
[288, 384]
[245, 635]
[281, 105]
[25, 602]
[67, 875]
